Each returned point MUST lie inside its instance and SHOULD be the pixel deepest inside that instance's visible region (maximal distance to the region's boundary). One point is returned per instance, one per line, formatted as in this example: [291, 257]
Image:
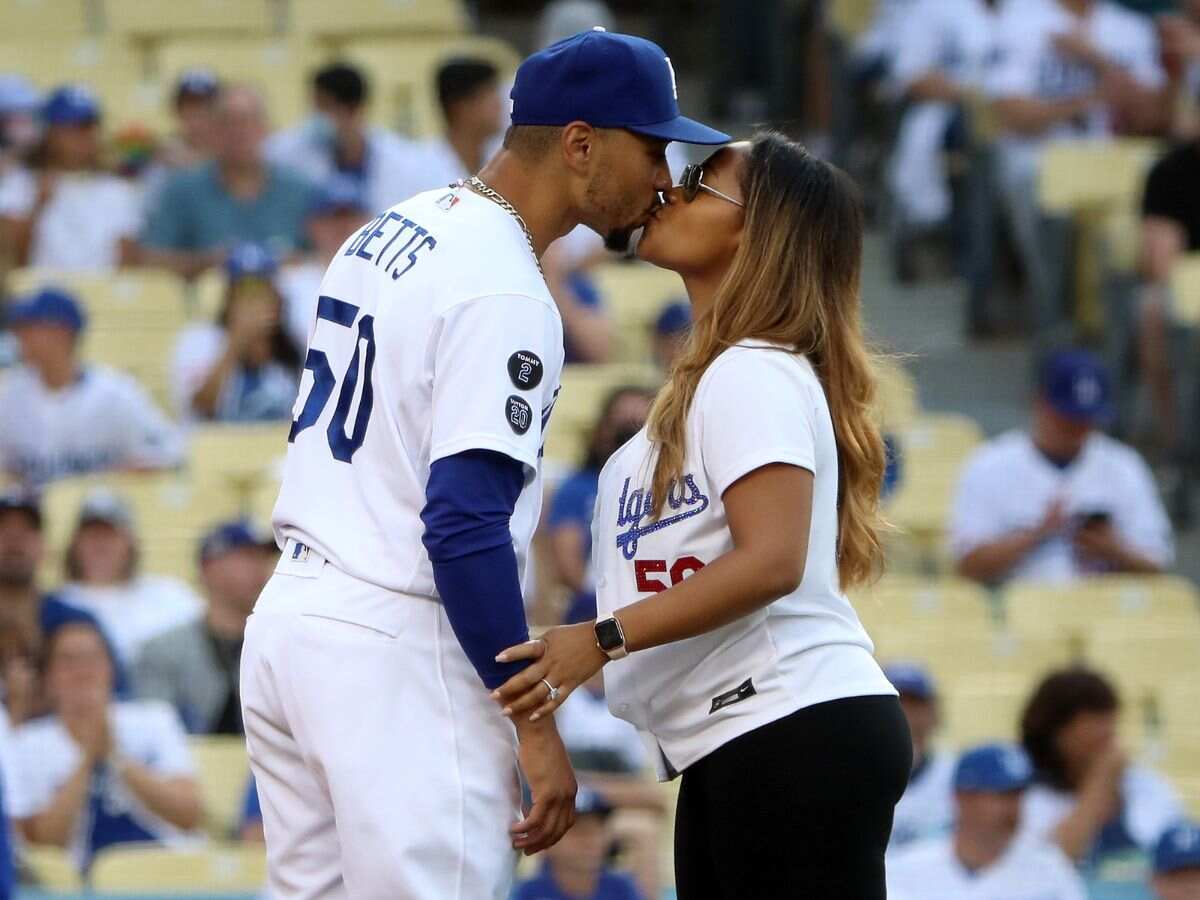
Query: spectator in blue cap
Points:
[49, 212]
[194, 104]
[194, 666]
[670, 330]
[927, 807]
[60, 416]
[576, 867]
[983, 859]
[237, 197]
[339, 208]
[244, 367]
[1087, 505]
[1176, 863]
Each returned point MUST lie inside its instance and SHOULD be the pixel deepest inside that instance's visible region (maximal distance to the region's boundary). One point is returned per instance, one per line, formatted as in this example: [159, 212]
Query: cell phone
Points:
[1095, 519]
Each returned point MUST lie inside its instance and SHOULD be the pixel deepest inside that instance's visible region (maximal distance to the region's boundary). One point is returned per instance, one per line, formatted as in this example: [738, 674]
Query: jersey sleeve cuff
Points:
[491, 442]
[747, 464]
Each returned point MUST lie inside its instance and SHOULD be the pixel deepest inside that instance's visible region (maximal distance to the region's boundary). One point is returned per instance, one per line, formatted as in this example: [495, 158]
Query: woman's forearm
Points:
[206, 398]
[174, 799]
[56, 824]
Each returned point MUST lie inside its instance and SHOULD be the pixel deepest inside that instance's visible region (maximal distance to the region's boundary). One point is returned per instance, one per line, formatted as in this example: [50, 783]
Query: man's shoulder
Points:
[174, 643]
[1005, 449]
[191, 181]
[1116, 20]
[921, 857]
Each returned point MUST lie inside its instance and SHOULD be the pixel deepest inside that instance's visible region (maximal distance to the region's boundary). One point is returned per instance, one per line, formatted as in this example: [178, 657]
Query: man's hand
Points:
[1100, 543]
[91, 732]
[552, 783]
[1053, 522]
[1076, 45]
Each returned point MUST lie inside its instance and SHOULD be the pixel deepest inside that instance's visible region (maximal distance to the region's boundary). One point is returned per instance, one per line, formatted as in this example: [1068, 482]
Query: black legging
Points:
[800, 809]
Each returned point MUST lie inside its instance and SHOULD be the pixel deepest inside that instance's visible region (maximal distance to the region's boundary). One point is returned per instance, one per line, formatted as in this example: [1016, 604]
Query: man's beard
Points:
[15, 576]
[619, 240]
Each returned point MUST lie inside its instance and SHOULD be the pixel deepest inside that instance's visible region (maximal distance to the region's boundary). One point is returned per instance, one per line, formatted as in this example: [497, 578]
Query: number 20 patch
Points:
[519, 414]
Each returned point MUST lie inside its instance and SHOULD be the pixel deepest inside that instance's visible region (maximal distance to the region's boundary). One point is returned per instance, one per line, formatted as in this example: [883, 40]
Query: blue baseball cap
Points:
[50, 305]
[339, 193]
[1077, 386]
[911, 680]
[230, 536]
[250, 261]
[1178, 848]
[199, 83]
[71, 104]
[674, 318]
[994, 768]
[609, 81]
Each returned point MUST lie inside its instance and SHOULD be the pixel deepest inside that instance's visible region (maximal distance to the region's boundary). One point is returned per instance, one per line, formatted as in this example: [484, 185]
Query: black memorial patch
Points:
[519, 413]
[525, 370]
[743, 691]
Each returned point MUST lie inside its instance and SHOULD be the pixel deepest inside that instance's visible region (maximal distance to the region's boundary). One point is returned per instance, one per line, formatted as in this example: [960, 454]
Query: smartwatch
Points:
[610, 638]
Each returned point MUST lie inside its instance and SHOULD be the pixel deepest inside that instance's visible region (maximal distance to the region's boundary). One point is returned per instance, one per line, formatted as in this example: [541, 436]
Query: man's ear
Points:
[578, 144]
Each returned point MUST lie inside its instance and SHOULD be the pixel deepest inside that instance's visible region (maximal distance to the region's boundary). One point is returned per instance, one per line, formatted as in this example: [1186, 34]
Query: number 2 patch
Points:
[525, 370]
[519, 414]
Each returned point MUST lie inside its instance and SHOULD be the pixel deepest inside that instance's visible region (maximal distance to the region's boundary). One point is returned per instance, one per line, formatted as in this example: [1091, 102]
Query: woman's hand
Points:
[566, 657]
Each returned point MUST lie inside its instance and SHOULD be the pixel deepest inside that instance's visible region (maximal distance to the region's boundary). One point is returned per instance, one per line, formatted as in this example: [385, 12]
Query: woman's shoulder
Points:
[761, 359]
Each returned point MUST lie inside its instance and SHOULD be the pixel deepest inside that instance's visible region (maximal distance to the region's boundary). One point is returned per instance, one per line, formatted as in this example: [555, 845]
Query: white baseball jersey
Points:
[1108, 477]
[435, 334]
[104, 420]
[755, 405]
[136, 611]
[930, 870]
[927, 808]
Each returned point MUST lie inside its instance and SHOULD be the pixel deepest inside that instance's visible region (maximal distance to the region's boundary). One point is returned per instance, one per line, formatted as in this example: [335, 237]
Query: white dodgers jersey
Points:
[756, 405]
[434, 334]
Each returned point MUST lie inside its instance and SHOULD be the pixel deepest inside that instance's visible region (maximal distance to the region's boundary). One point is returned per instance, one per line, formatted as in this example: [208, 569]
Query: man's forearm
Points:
[991, 562]
[1025, 115]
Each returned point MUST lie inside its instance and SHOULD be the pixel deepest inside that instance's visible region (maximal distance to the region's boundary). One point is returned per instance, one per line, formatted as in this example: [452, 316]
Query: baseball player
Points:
[410, 494]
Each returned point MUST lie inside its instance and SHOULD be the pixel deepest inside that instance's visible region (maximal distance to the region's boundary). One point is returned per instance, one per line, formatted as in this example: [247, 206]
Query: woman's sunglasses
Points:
[692, 183]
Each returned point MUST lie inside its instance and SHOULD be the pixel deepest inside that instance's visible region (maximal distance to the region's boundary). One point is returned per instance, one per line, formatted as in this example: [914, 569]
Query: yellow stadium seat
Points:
[172, 512]
[151, 869]
[262, 498]
[906, 602]
[403, 73]
[896, 402]
[850, 18]
[279, 68]
[1185, 289]
[36, 19]
[142, 20]
[979, 708]
[1121, 236]
[634, 293]
[953, 652]
[1082, 176]
[584, 390]
[368, 18]
[51, 869]
[224, 772]
[1179, 704]
[240, 452]
[1144, 659]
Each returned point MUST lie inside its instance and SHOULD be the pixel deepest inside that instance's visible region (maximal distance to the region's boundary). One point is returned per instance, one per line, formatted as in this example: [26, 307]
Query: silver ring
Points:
[553, 691]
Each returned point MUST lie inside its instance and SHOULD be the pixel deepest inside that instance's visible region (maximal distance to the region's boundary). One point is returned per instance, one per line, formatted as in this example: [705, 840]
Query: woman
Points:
[1088, 797]
[725, 535]
[97, 771]
[244, 368]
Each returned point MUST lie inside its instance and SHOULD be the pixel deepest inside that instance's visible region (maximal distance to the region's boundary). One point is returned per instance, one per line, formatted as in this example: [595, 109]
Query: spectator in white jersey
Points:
[1088, 797]
[194, 666]
[104, 577]
[1088, 505]
[60, 416]
[244, 367]
[1066, 69]
[927, 807]
[336, 140]
[64, 212]
[1179, 32]
[339, 209]
[984, 858]
[1176, 863]
[100, 771]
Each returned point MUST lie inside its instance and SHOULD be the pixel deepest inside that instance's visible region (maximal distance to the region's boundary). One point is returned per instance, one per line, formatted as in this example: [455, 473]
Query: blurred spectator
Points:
[570, 520]
[197, 137]
[671, 330]
[927, 807]
[103, 570]
[1176, 863]
[64, 212]
[562, 19]
[983, 858]
[1065, 69]
[1087, 504]
[60, 416]
[202, 212]
[250, 824]
[14, 805]
[336, 140]
[1170, 228]
[1088, 797]
[18, 120]
[28, 617]
[597, 741]
[339, 209]
[100, 771]
[587, 329]
[1179, 32]
[244, 367]
[576, 867]
[194, 666]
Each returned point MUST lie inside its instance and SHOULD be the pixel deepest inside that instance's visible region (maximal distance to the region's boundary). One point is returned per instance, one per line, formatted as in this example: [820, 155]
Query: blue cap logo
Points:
[1178, 848]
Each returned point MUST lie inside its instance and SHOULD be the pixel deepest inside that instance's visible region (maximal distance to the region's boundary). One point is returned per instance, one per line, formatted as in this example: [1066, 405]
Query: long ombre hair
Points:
[794, 281]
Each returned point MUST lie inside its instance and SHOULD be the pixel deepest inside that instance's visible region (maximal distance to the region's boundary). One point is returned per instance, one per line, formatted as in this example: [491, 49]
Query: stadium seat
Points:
[369, 18]
[983, 707]
[51, 869]
[172, 512]
[403, 72]
[241, 453]
[897, 403]
[906, 602]
[634, 293]
[584, 389]
[1185, 289]
[1093, 176]
[850, 18]
[1144, 659]
[224, 772]
[141, 20]
[952, 652]
[148, 869]
[39, 19]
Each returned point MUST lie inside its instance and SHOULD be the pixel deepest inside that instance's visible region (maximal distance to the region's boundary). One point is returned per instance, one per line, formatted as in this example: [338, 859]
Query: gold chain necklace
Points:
[478, 186]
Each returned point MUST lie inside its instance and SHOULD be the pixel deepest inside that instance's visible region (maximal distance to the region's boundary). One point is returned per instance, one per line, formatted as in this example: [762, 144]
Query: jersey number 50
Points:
[341, 444]
[644, 568]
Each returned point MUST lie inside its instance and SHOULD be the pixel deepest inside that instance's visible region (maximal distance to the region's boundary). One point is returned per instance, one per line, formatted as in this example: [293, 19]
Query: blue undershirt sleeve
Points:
[469, 500]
